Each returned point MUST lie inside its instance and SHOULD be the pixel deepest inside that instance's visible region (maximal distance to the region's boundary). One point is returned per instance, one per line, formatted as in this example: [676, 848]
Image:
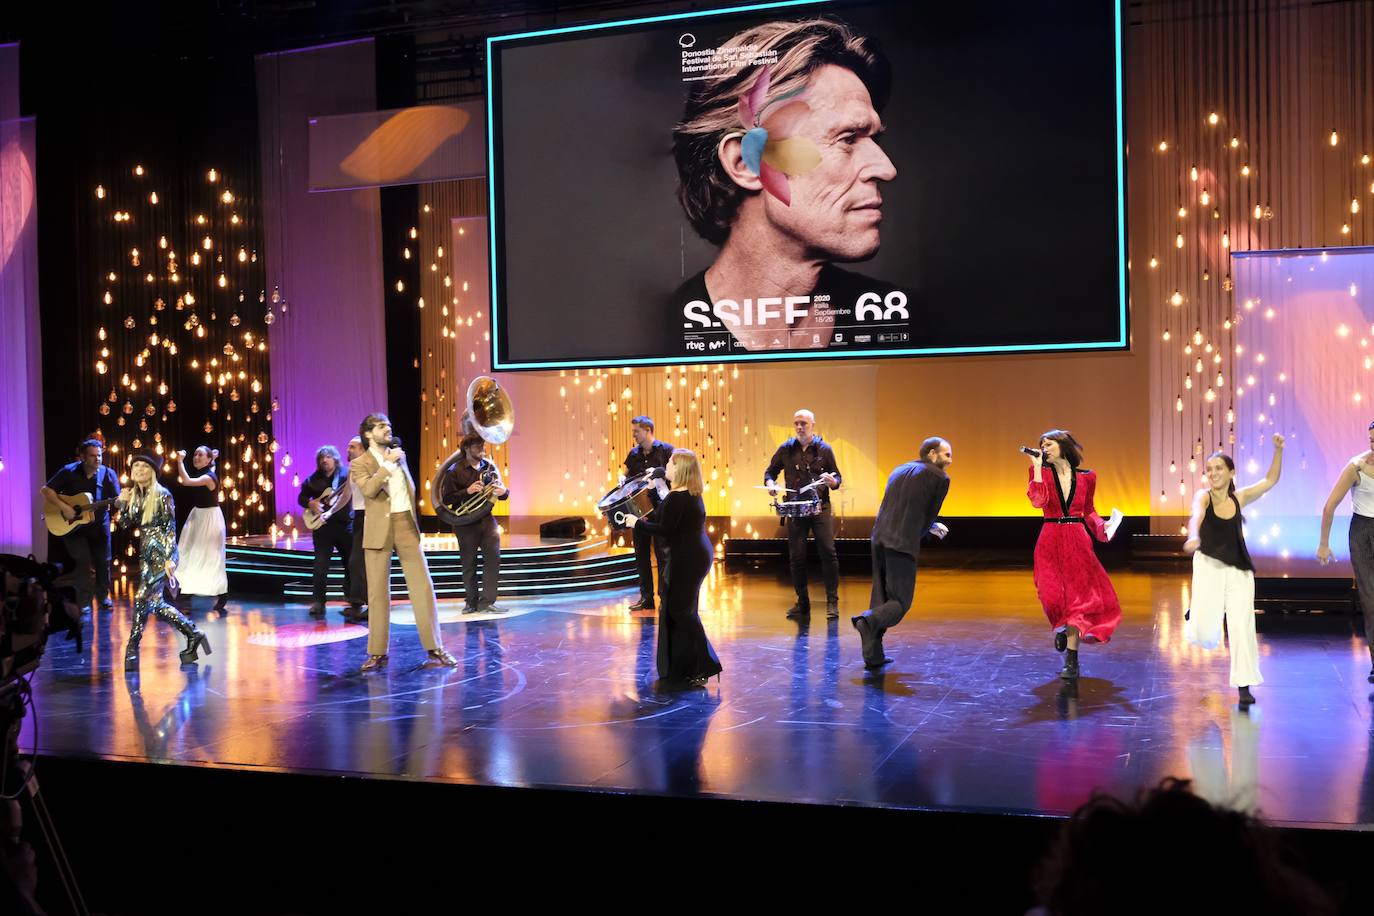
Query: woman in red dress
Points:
[1072, 585]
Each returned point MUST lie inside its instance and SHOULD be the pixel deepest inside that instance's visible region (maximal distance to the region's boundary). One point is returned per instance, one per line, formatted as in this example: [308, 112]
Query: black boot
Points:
[220, 602]
[135, 637]
[1070, 669]
[195, 641]
[1245, 697]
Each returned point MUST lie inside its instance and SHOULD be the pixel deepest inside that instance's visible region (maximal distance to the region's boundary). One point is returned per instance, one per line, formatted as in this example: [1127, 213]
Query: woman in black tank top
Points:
[1223, 573]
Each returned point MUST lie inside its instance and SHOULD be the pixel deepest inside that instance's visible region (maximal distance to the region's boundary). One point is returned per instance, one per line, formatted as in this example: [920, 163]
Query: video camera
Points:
[32, 607]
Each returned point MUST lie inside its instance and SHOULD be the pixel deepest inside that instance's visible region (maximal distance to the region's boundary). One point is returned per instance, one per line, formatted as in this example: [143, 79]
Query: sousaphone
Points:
[491, 416]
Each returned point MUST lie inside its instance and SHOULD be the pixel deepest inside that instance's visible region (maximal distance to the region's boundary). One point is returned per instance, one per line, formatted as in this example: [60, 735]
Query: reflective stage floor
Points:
[560, 692]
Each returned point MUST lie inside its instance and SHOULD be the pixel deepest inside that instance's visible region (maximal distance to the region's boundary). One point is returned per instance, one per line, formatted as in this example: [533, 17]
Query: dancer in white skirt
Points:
[1223, 574]
[202, 537]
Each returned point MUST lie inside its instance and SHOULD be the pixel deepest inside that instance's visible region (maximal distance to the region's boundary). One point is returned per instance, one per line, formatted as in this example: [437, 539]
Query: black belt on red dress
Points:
[1065, 520]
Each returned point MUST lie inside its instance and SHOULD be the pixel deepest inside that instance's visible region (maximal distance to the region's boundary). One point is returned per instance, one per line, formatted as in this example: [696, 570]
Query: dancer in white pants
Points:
[1223, 574]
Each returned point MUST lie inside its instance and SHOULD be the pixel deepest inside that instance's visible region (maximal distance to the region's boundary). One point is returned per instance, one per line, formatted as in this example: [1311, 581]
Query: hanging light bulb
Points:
[1235, 142]
[213, 176]
[1193, 173]
[1182, 212]
[1335, 138]
[1178, 404]
[1204, 198]
[1154, 262]
[1163, 146]
[1213, 118]
[1258, 211]
[1226, 241]
[1245, 171]
[1178, 240]
[1176, 298]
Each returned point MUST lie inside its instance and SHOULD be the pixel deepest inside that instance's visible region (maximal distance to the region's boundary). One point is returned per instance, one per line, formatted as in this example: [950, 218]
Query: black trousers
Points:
[894, 587]
[479, 535]
[357, 564]
[647, 548]
[329, 538]
[1362, 562]
[89, 547]
[823, 526]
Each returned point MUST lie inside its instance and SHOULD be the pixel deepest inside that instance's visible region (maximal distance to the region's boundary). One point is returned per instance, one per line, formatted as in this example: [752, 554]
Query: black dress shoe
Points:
[355, 614]
[317, 610]
[1061, 640]
[872, 642]
[469, 609]
[643, 604]
[490, 607]
[799, 610]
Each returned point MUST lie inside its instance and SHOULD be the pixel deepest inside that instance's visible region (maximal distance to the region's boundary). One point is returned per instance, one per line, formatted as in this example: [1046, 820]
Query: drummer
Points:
[648, 459]
[810, 473]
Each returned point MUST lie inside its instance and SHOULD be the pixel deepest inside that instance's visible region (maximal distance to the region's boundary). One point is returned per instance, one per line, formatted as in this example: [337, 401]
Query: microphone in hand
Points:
[1033, 452]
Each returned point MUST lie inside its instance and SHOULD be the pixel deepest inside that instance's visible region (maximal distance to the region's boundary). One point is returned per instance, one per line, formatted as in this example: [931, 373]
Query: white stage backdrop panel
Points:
[1305, 368]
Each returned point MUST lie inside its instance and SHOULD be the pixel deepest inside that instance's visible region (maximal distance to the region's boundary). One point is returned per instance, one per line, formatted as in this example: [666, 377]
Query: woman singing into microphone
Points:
[1074, 590]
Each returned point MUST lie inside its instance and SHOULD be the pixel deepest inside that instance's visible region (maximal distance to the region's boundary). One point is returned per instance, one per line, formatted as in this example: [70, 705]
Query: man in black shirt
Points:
[915, 492]
[649, 456]
[89, 544]
[467, 476]
[337, 531]
[809, 471]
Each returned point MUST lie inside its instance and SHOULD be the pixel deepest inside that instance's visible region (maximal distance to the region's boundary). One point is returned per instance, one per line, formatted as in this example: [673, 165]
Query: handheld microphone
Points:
[395, 442]
[1033, 452]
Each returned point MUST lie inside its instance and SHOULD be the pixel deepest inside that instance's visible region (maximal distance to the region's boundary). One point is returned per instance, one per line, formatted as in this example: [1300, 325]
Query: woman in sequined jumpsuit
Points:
[148, 506]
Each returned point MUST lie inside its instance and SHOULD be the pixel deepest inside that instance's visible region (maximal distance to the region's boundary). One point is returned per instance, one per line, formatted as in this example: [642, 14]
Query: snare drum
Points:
[637, 497]
[798, 508]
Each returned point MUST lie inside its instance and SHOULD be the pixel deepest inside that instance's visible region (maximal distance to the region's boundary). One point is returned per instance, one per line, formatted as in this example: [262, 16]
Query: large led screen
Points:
[808, 180]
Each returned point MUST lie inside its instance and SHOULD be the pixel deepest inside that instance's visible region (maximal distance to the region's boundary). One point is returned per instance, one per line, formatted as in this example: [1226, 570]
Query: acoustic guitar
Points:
[86, 512]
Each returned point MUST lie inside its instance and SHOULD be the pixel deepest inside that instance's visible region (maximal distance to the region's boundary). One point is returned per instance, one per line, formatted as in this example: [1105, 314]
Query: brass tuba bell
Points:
[490, 414]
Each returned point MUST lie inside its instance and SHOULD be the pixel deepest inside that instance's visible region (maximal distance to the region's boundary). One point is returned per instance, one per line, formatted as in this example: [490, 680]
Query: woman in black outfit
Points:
[685, 655]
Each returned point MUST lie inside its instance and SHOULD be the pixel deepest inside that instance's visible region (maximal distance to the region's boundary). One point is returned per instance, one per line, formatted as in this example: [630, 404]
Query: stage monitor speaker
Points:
[568, 527]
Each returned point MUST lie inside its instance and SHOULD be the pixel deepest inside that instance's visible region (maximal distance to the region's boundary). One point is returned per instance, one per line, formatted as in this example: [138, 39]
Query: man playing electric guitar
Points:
[85, 480]
[326, 495]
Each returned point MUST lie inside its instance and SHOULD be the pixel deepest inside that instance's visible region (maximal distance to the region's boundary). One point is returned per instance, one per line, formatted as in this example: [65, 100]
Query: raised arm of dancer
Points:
[1253, 492]
[1349, 477]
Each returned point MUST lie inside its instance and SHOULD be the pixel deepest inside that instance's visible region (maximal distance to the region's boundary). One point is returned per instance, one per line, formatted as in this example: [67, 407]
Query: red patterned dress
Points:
[1071, 583]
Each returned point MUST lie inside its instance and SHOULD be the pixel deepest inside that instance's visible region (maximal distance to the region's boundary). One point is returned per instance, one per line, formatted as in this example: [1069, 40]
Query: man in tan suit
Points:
[391, 522]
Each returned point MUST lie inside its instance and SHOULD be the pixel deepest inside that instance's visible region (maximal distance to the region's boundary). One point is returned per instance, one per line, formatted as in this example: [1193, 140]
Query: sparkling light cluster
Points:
[1219, 206]
[180, 339]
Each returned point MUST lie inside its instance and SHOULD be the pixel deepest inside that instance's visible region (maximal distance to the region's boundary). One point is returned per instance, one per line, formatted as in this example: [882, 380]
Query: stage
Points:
[559, 693]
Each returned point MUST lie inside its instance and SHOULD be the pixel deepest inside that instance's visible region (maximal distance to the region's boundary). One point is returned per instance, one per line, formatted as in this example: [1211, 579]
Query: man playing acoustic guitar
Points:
[76, 502]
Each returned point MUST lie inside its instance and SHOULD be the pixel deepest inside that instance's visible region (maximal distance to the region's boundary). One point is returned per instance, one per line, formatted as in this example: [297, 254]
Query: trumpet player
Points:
[470, 488]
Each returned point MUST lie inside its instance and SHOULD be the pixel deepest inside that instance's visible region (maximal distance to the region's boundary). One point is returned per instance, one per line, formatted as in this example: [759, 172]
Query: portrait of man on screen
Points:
[780, 165]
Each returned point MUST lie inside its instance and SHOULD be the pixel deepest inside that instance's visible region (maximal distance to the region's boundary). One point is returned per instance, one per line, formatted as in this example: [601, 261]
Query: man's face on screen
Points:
[837, 206]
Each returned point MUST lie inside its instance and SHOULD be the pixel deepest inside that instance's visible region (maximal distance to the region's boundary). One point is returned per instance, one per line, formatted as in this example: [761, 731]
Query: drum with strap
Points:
[637, 497]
